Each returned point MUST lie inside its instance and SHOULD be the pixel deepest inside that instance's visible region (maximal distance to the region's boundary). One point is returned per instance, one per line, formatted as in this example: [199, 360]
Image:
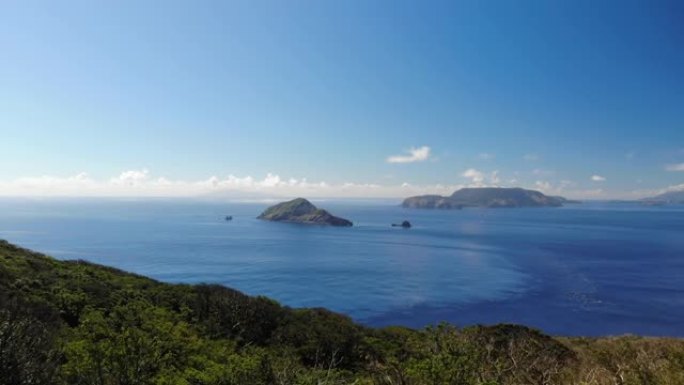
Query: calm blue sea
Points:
[588, 269]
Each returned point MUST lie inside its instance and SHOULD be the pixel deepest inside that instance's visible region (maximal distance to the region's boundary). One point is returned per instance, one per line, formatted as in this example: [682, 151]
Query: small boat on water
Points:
[229, 217]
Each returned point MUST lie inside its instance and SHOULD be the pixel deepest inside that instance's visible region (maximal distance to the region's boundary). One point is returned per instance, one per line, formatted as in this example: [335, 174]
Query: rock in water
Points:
[404, 224]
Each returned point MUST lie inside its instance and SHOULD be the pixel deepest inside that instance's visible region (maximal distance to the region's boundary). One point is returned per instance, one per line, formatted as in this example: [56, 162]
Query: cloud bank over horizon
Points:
[141, 183]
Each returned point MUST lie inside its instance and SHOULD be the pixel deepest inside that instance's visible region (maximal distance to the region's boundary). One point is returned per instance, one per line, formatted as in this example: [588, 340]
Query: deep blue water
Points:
[589, 269]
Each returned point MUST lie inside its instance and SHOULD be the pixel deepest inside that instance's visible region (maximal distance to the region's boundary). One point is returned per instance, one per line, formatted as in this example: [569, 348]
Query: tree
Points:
[27, 346]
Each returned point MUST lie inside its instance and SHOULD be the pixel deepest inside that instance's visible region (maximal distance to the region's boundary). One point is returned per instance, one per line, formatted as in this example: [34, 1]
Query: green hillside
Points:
[74, 322]
[489, 197]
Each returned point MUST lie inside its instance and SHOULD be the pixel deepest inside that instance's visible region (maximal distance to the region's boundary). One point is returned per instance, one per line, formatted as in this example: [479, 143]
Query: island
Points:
[670, 197]
[490, 197]
[430, 202]
[567, 201]
[301, 210]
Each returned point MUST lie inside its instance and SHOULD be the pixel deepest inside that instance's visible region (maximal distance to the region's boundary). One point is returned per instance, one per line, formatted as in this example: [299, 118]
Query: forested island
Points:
[489, 197]
[74, 322]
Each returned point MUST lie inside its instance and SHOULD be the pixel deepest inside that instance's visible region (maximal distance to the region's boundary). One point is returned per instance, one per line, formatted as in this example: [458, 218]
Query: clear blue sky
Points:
[328, 90]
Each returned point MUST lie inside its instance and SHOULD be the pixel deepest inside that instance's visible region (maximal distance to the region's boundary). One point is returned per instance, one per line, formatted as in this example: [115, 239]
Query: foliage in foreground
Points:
[78, 323]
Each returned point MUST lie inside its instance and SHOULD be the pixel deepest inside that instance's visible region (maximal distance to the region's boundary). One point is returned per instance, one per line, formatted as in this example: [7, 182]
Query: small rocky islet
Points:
[301, 210]
[404, 224]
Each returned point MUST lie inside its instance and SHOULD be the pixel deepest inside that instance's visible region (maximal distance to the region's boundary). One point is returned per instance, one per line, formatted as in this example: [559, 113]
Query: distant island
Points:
[491, 197]
[567, 201]
[672, 197]
[301, 210]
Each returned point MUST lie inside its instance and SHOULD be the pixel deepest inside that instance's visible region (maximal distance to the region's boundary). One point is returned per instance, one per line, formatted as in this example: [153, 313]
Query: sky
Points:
[340, 98]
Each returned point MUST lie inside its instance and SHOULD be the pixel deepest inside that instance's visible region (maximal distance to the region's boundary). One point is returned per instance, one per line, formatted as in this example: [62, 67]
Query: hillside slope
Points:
[74, 322]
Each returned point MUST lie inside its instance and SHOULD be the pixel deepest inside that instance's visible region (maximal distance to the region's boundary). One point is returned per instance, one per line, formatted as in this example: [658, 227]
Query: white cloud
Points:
[481, 179]
[494, 177]
[274, 180]
[675, 167]
[543, 186]
[474, 175]
[141, 183]
[551, 188]
[485, 156]
[679, 187]
[598, 178]
[562, 188]
[531, 157]
[131, 177]
[647, 193]
[415, 155]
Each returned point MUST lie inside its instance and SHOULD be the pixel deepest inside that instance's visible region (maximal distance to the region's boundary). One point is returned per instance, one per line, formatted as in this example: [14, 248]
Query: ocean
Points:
[597, 268]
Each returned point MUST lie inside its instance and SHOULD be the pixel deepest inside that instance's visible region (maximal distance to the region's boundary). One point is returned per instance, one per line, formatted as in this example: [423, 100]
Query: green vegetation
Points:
[75, 322]
[301, 210]
[490, 197]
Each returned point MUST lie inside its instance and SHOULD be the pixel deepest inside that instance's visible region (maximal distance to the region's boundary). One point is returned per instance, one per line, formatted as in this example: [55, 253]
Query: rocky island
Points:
[490, 197]
[301, 210]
